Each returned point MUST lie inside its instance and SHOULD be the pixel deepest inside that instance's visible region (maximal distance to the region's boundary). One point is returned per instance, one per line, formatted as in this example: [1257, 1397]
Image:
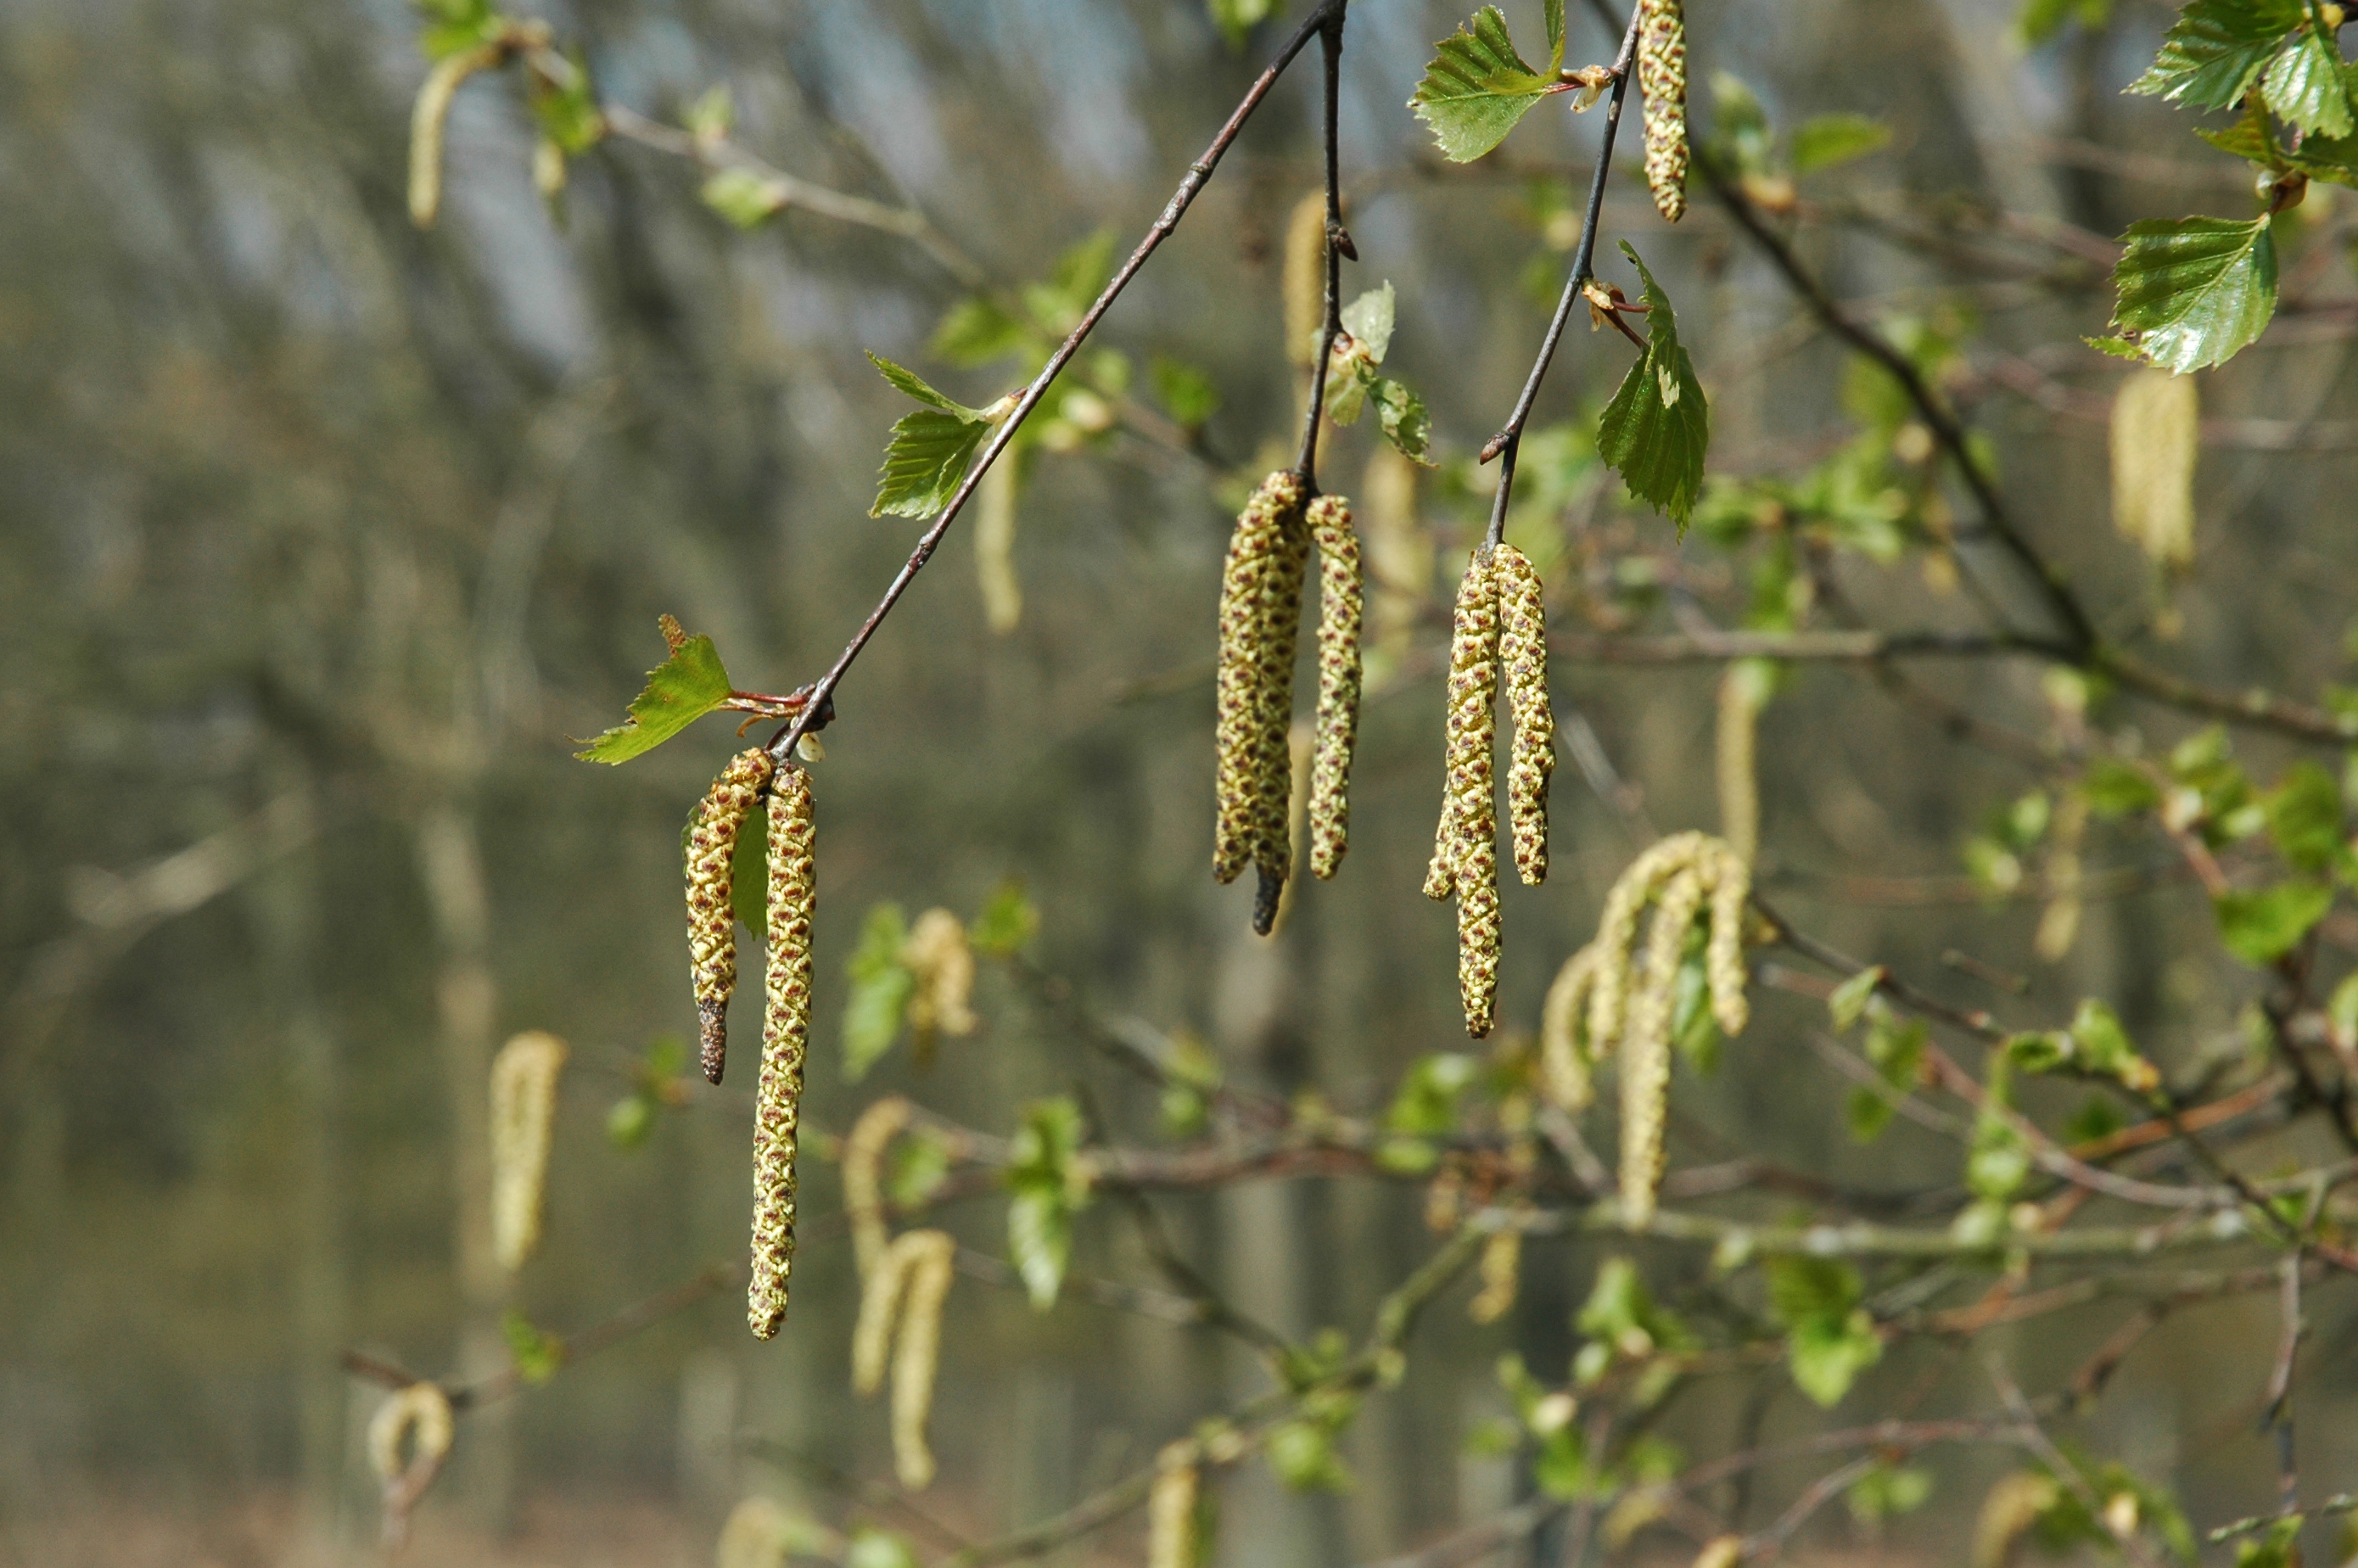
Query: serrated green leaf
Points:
[1368, 319]
[1658, 426]
[1553, 10]
[881, 987]
[746, 199]
[1830, 1338]
[1477, 88]
[2262, 926]
[2216, 51]
[1236, 18]
[2196, 290]
[924, 463]
[1830, 139]
[2305, 86]
[978, 331]
[1400, 415]
[679, 691]
[906, 379]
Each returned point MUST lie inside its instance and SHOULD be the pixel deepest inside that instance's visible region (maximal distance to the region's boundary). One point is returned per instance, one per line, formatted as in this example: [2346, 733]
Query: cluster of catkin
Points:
[1662, 78]
[1500, 624]
[420, 1415]
[1260, 617]
[524, 1108]
[786, 991]
[1613, 994]
[903, 1280]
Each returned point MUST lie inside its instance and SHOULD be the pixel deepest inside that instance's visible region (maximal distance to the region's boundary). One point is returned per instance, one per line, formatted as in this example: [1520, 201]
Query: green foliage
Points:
[926, 459]
[2095, 1046]
[2117, 789]
[567, 111]
[1301, 1454]
[1006, 925]
[1058, 302]
[1998, 1161]
[2263, 925]
[1828, 1338]
[2305, 87]
[2279, 1546]
[1423, 1108]
[2196, 290]
[1830, 139]
[2210, 56]
[1888, 1491]
[1896, 1050]
[1236, 18]
[1187, 393]
[655, 1084]
[744, 197]
[881, 987]
[679, 691]
[2304, 813]
[454, 27]
[713, 114]
[1050, 1184]
[1477, 87]
[915, 1166]
[1849, 998]
[1353, 384]
[1624, 1324]
[979, 330]
[878, 1549]
[537, 1354]
[1658, 426]
[2040, 20]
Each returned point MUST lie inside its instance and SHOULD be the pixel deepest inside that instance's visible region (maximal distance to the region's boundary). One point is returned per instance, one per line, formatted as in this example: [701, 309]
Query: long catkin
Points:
[1469, 835]
[711, 909]
[1662, 78]
[524, 1108]
[1565, 1059]
[1522, 658]
[1170, 1509]
[1249, 755]
[785, 1037]
[916, 1359]
[1646, 1049]
[1280, 636]
[426, 118]
[863, 1187]
[1341, 606]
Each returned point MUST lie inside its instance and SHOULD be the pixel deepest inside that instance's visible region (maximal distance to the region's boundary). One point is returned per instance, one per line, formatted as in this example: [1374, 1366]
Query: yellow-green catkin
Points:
[1341, 605]
[1736, 757]
[1465, 849]
[863, 1187]
[711, 910]
[524, 1108]
[426, 119]
[785, 1038]
[1566, 1060]
[1522, 658]
[421, 1415]
[1731, 888]
[1646, 1049]
[1261, 597]
[1502, 1258]
[937, 954]
[916, 1359]
[1171, 1508]
[1662, 80]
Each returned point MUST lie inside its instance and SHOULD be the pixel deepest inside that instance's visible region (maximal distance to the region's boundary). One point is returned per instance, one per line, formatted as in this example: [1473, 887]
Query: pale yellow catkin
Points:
[1662, 80]
[420, 1414]
[1466, 853]
[1305, 279]
[937, 954]
[1736, 761]
[523, 1108]
[1618, 930]
[2156, 431]
[1645, 1048]
[426, 118]
[1522, 659]
[1171, 1508]
[711, 907]
[994, 545]
[1566, 1059]
[863, 1187]
[758, 1533]
[1341, 607]
[1250, 757]
[881, 1285]
[785, 1039]
[1731, 887]
[1501, 1268]
[2059, 922]
[916, 1359]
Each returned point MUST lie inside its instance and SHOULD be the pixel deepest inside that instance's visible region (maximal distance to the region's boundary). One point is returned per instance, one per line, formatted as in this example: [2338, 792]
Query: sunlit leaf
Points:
[1830, 1339]
[1368, 319]
[2305, 87]
[746, 199]
[2213, 53]
[2262, 926]
[1832, 139]
[928, 457]
[1006, 924]
[1477, 88]
[881, 987]
[2305, 818]
[1658, 426]
[679, 691]
[2196, 289]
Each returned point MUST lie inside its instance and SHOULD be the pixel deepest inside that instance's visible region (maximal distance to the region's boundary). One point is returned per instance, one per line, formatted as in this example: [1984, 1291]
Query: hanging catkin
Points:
[1261, 597]
[917, 1358]
[426, 118]
[1646, 1050]
[1466, 847]
[1522, 658]
[1340, 607]
[1501, 1270]
[786, 1036]
[421, 1414]
[1662, 78]
[711, 911]
[863, 1188]
[1566, 1058]
[1171, 1508]
[1731, 887]
[935, 952]
[524, 1105]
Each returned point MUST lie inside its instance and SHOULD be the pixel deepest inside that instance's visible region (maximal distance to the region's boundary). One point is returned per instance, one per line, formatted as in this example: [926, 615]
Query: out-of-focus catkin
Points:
[1731, 888]
[1465, 850]
[1522, 657]
[1742, 691]
[935, 952]
[863, 1187]
[427, 117]
[1566, 1061]
[1260, 598]
[785, 1039]
[1662, 78]
[1502, 1258]
[1646, 1049]
[1171, 1508]
[524, 1108]
[1341, 605]
[711, 911]
[1305, 279]
[905, 1287]
[420, 1414]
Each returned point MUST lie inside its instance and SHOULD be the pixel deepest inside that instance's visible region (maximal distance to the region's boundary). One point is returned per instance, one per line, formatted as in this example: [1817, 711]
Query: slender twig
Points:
[783, 744]
[1829, 647]
[1336, 245]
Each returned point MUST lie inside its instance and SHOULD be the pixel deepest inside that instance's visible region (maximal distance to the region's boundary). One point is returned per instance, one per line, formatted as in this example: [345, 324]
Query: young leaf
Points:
[928, 457]
[1234, 18]
[1830, 1339]
[1832, 139]
[978, 330]
[2197, 290]
[745, 198]
[2305, 86]
[1850, 997]
[1477, 88]
[455, 27]
[1658, 426]
[537, 1354]
[881, 987]
[1554, 10]
[2210, 58]
[1368, 319]
[2305, 818]
[1049, 1184]
[679, 691]
[1401, 414]
[2262, 926]
[1005, 924]
[916, 387]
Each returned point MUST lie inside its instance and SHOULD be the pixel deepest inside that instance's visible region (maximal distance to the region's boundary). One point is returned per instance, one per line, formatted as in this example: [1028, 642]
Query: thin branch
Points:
[1336, 245]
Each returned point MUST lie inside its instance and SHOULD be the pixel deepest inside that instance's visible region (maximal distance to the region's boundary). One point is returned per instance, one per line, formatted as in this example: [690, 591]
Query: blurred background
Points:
[321, 536]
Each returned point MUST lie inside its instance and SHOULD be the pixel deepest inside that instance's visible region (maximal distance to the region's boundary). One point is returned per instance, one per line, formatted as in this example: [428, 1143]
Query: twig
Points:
[1336, 246]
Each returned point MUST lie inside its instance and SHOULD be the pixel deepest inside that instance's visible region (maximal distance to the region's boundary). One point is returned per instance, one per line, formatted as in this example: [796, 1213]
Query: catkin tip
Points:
[712, 1039]
[711, 898]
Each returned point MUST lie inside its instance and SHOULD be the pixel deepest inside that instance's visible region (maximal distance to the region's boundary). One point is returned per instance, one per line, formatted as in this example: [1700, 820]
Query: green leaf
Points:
[1658, 426]
[1368, 319]
[537, 1354]
[2095, 1046]
[2040, 20]
[881, 987]
[1555, 14]
[2210, 56]
[1830, 1338]
[2117, 789]
[454, 27]
[679, 691]
[1039, 1236]
[1888, 1491]
[917, 1167]
[630, 1120]
[746, 199]
[1400, 415]
[1080, 273]
[1236, 18]
[2196, 289]
[1477, 88]
[928, 457]
[1850, 997]
[1185, 392]
[915, 385]
[568, 114]
[713, 114]
[1426, 1105]
[2305, 818]
[1301, 1454]
[1006, 925]
[1830, 139]
[2262, 926]
[978, 330]
[2305, 86]
[876, 1549]
[1049, 1184]
[2277, 1547]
